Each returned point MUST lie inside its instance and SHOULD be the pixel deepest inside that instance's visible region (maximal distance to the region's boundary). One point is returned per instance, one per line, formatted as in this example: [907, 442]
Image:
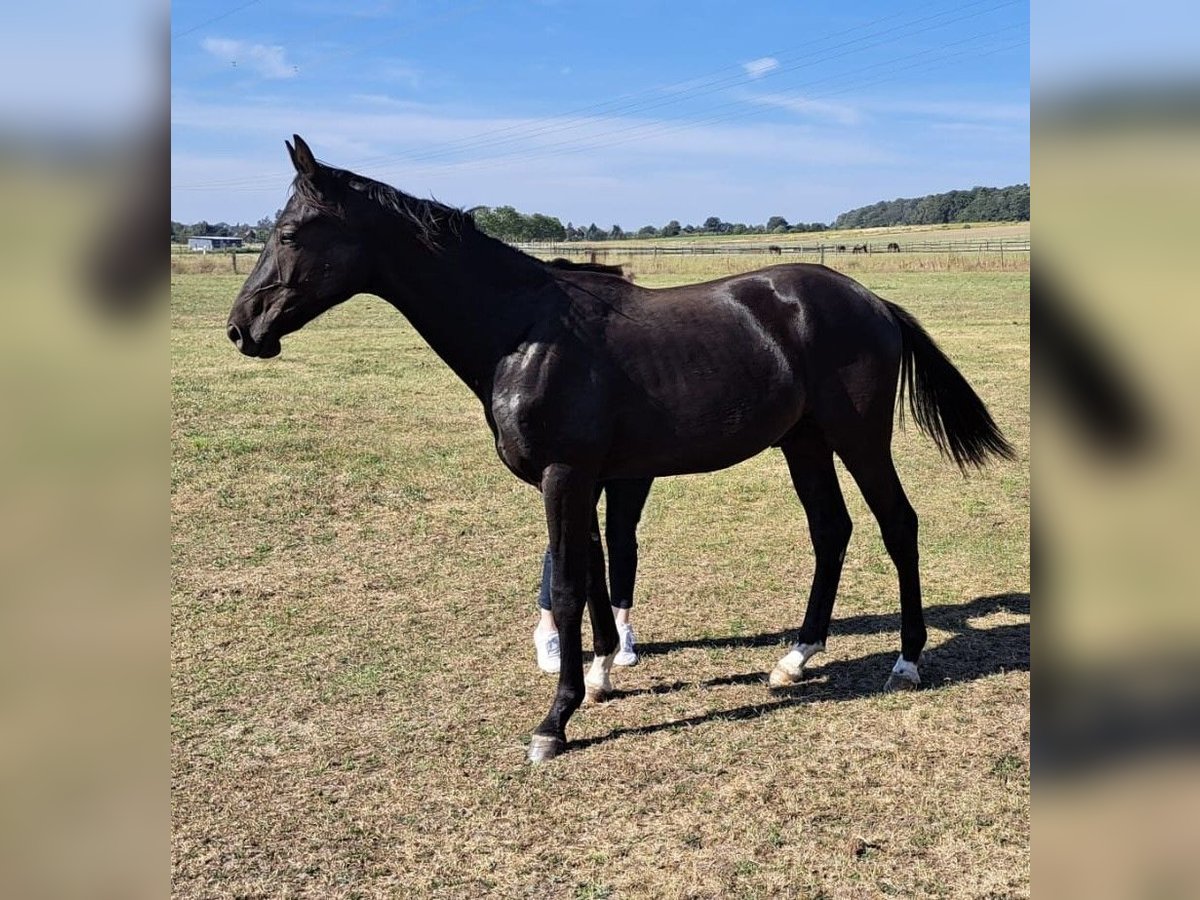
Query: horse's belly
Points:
[705, 439]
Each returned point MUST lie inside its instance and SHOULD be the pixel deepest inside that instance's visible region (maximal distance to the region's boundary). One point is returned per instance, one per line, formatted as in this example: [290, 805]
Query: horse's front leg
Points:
[570, 508]
[598, 685]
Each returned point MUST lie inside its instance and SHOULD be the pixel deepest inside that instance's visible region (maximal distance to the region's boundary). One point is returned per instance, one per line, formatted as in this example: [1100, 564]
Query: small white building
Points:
[207, 242]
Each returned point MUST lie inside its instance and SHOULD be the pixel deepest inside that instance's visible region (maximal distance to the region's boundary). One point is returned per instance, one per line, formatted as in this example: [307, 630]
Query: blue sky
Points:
[630, 113]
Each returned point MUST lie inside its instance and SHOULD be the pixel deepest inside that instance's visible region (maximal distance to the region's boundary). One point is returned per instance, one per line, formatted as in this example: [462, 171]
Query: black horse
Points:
[586, 377]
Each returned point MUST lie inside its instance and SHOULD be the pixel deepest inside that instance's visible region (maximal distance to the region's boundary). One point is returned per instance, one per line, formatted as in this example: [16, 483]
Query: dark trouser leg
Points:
[547, 574]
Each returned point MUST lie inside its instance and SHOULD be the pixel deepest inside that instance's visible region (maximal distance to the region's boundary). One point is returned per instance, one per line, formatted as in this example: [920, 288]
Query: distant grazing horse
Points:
[893, 247]
[841, 248]
[860, 248]
[775, 250]
[586, 377]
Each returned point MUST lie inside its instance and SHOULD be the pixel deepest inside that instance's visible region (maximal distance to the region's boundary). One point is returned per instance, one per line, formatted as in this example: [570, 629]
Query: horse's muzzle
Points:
[242, 339]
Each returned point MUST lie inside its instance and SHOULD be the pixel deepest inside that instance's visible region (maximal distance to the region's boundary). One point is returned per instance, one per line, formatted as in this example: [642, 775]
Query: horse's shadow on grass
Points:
[972, 653]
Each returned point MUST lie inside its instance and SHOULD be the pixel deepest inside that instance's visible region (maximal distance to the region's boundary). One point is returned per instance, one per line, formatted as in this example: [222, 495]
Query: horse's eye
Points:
[287, 237]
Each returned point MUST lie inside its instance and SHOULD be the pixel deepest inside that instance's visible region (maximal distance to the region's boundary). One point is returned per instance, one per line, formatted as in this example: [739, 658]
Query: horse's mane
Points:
[599, 268]
[430, 218]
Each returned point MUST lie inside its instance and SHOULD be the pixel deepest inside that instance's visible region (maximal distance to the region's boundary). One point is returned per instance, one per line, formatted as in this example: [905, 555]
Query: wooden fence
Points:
[184, 260]
[994, 245]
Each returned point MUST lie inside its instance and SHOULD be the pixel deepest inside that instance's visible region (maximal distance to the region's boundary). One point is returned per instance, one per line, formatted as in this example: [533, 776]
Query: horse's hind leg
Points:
[810, 462]
[876, 476]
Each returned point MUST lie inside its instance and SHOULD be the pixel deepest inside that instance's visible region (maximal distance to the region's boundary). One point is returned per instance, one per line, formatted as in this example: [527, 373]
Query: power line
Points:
[218, 18]
[806, 63]
[693, 87]
[571, 121]
[410, 29]
[639, 131]
[656, 130]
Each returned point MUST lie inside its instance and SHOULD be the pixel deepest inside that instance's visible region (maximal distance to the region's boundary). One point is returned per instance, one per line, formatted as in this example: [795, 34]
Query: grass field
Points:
[353, 677]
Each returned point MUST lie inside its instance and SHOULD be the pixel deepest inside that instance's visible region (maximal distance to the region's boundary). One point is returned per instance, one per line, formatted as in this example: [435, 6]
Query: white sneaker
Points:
[626, 655]
[546, 644]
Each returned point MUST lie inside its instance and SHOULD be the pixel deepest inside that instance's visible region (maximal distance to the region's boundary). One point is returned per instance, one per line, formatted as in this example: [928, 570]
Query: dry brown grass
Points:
[353, 680]
[196, 263]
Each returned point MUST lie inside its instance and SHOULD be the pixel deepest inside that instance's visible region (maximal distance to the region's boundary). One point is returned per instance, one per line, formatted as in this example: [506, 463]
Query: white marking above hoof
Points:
[790, 669]
[797, 658]
[597, 677]
[904, 676]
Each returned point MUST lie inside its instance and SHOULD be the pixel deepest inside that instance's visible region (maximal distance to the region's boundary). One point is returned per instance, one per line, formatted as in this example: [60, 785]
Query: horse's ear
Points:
[302, 157]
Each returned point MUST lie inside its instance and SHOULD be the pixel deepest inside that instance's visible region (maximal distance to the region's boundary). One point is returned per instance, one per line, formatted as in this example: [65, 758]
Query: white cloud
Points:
[267, 61]
[229, 162]
[981, 130]
[981, 110]
[400, 72]
[757, 68]
[384, 101]
[406, 132]
[837, 112]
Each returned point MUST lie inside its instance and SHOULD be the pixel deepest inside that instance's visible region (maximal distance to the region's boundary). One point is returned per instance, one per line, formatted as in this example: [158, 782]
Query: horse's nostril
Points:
[235, 335]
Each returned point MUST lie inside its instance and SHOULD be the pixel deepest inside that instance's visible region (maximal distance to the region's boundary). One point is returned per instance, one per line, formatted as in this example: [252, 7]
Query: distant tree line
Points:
[981, 204]
[508, 224]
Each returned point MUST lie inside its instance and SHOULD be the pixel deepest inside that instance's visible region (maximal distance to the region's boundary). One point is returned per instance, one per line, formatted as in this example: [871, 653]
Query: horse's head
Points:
[314, 259]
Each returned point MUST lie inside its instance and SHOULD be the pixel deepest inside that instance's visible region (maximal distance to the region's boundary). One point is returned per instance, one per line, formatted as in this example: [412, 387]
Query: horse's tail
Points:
[943, 403]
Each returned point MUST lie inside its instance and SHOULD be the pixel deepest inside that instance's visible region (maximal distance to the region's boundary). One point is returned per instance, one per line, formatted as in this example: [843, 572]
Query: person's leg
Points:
[625, 501]
[545, 635]
[547, 620]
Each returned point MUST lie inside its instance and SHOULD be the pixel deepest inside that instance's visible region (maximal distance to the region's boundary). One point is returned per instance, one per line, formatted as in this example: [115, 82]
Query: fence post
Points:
[233, 256]
[822, 254]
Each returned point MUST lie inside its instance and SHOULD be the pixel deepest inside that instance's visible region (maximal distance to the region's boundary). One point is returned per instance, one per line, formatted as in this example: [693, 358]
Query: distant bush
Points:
[980, 204]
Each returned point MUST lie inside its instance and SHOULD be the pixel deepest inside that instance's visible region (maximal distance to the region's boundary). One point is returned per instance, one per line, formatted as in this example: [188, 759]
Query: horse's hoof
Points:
[544, 747]
[904, 677]
[782, 678]
[593, 695]
[900, 683]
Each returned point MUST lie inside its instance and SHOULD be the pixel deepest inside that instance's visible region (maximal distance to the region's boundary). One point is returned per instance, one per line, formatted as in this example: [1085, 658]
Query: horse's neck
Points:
[473, 302]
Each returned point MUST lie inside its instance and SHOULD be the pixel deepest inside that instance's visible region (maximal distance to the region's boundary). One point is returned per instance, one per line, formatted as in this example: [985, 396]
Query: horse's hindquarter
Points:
[706, 375]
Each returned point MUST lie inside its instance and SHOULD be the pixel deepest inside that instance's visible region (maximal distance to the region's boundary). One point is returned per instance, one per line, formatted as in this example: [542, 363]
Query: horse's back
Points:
[731, 366]
[805, 308]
